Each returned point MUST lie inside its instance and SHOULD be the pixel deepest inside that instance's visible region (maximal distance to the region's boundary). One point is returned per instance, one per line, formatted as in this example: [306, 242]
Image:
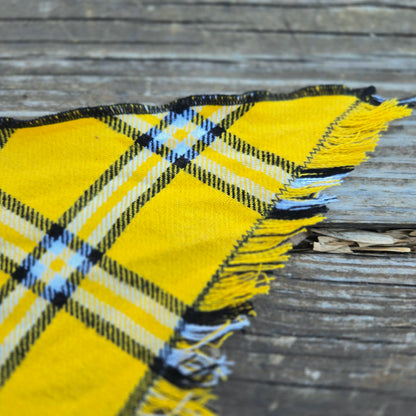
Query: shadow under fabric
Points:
[133, 237]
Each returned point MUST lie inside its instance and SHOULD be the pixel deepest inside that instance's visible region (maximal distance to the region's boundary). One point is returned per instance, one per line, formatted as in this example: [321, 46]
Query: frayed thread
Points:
[244, 274]
[200, 368]
[165, 398]
[356, 134]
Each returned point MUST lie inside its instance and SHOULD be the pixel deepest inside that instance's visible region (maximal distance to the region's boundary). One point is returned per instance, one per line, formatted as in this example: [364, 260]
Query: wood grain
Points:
[337, 335]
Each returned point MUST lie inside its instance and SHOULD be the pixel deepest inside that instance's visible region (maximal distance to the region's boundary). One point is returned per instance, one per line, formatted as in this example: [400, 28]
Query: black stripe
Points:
[127, 216]
[7, 265]
[287, 214]
[55, 231]
[143, 139]
[174, 376]
[59, 300]
[25, 212]
[99, 184]
[217, 317]
[23, 347]
[109, 331]
[145, 286]
[233, 191]
[181, 162]
[324, 172]
[269, 158]
[5, 134]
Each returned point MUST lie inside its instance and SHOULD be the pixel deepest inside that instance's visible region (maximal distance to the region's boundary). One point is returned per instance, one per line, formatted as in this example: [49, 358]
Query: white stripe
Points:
[296, 204]
[20, 330]
[249, 161]
[221, 113]
[230, 177]
[108, 221]
[119, 320]
[12, 251]
[135, 296]
[315, 182]
[209, 333]
[10, 302]
[137, 122]
[85, 214]
[20, 225]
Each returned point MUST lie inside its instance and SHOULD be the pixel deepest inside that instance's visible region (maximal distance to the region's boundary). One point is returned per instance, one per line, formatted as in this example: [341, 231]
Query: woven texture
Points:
[133, 237]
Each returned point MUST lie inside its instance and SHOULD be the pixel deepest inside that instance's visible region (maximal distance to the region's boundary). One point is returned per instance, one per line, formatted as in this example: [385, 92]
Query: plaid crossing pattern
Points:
[198, 133]
[53, 271]
[60, 259]
[63, 257]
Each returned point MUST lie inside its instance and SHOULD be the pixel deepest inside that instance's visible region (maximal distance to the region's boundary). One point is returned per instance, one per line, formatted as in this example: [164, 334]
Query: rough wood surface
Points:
[337, 336]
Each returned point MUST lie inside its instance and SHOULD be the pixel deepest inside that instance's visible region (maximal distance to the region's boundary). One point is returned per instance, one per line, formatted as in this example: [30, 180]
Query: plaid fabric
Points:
[119, 225]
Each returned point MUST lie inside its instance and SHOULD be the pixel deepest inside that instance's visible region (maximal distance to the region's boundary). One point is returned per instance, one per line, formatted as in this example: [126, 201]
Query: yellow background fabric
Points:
[118, 223]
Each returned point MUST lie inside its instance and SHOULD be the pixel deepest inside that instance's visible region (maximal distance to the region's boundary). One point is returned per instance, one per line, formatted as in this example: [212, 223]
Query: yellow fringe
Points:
[271, 226]
[234, 289]
[262, 243]
[306, 191]
[245, 276]
[165, 398]
[357, 134]
[249, 255]
[346, 145]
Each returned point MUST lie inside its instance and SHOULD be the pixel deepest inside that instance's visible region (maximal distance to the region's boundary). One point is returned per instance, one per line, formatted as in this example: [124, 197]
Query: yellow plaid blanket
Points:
[132, 238]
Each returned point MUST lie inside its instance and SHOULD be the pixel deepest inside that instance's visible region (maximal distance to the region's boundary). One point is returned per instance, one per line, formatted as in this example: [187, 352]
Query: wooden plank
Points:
[52, 87]
[336, 333]
[78, 60]
[245, 398]
[89, 53]
[351, 20]
[131, 31]
[164, 10]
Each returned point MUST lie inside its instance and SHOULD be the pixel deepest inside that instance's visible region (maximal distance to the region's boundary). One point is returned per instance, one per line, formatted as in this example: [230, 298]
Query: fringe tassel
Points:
[245, 275]
[357, 134]
[164, 398]
[234, 289]
[245, 272]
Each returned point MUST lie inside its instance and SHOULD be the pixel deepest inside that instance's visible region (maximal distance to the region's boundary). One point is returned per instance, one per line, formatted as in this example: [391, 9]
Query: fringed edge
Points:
[357, 134]
[164, 398]
[224, 306]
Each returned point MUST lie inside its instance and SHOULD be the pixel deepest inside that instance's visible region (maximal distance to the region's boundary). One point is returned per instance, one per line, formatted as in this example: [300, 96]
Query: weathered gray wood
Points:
[382, 190]
[214, 18]
[337, 334]
[205, 10]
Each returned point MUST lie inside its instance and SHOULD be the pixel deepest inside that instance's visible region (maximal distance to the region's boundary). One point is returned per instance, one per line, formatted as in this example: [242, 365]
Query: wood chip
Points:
[364, 241]
[331, 248]
[361, 236]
